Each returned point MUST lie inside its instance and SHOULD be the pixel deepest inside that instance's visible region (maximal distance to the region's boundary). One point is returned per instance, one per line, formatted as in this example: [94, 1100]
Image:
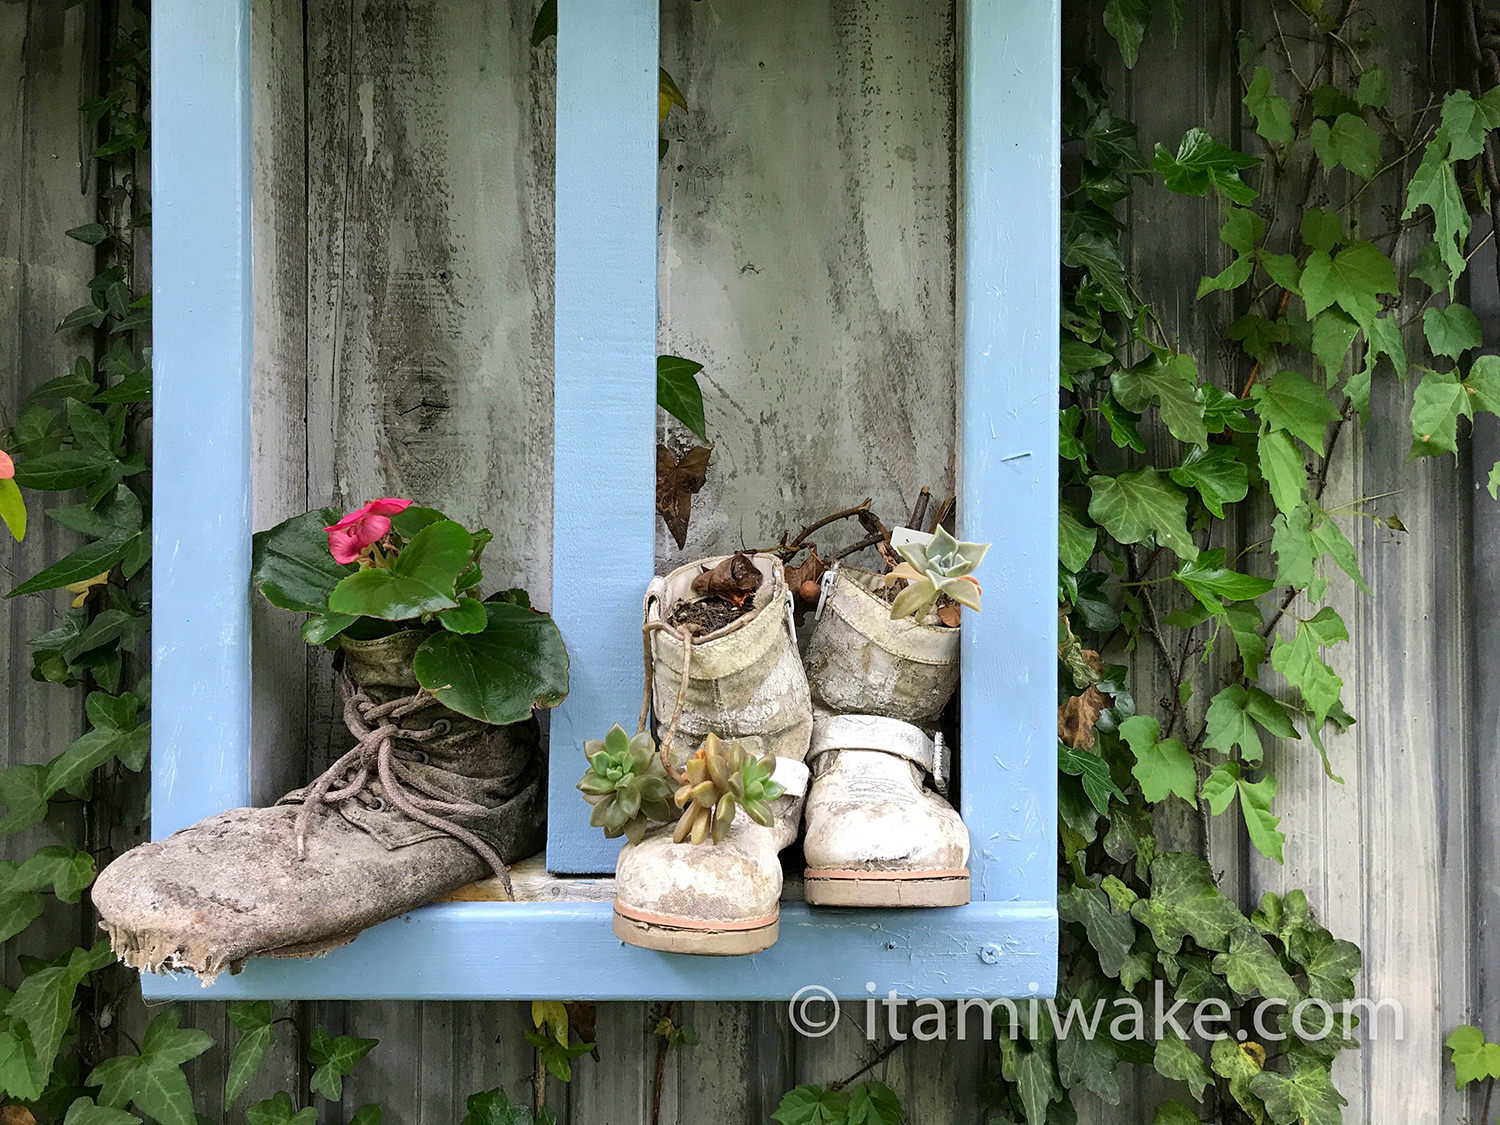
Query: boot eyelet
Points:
[378, 805]
[441, 726]
[420, 757]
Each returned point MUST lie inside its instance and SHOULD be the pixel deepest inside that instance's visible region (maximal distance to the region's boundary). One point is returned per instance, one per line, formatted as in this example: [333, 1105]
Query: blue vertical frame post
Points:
[604, 435]
[1011, 230]
[201, 326]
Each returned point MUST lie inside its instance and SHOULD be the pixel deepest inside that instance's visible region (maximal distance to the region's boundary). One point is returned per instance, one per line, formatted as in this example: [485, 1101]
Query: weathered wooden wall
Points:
[403, 264]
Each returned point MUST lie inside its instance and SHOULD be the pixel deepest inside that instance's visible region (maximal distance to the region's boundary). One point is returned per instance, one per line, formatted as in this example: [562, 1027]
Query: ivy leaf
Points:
[1353, 279]
[279, 1110]
[1093, 772]
[420, 580]
[1075, 540]
[1175, 1113]
[1494, 482]
[371, 1115]
[1208, 580]
[678, 393]
[1172, 384]
[153, 1081]
[292, 566]
[1331, 965]
[1036, 1078]
[1281, 466]
[1217, 474]
[874, 1103]
[334, 1057]
[1242, 229]
[1232, 716]
[1162, 768]
[811, 1105]
[1308, 1097]
[23, 793]
[1451, 330]
[1300, 661]
[1089, 1062]
[1349, 143]
[1473, 1059]
[1291, 403]
[1126, 21]
[1272, 115]
[492, 1107]
[254, 1019]
[1253, 969]
[1111, 932]
[1202, 163]
[1185, 902]
[83, 1111]
[1176, 1060]
[1135, 505]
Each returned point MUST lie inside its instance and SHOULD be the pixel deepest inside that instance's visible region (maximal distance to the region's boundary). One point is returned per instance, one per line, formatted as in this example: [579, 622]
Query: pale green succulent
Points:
[626, 783]
[934, 565]
[718, 781]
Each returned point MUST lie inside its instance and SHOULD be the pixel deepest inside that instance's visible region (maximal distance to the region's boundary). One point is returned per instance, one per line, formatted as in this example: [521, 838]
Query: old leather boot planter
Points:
[876, 836]
[427, 801]
[744, 683]
[859, 661]
[722, 898]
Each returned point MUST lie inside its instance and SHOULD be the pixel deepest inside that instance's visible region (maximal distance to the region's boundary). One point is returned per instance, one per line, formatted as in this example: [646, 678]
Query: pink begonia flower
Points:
[7, 466]
[360, 528]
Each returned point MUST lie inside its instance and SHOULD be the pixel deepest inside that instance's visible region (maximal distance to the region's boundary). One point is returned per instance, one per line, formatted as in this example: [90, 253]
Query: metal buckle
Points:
[825, 588]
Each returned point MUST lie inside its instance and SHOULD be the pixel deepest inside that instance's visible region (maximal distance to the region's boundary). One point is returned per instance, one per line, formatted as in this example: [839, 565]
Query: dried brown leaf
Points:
[1077, 716]
[677, 480]
[735, 579]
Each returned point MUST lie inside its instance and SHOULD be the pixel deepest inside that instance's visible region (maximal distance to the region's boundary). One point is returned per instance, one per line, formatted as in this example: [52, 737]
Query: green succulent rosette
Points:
[626, 783]
[934, 565]
[721, 778]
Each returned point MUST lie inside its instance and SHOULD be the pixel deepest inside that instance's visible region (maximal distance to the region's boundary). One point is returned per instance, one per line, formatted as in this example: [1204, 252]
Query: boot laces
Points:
[375, 757]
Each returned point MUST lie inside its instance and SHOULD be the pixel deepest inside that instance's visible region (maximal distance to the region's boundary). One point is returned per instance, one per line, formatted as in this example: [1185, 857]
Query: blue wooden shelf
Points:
[1005, 943]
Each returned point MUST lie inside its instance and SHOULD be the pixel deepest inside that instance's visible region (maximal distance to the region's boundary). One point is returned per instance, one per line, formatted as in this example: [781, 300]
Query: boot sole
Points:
[828, 887]
[668, 934]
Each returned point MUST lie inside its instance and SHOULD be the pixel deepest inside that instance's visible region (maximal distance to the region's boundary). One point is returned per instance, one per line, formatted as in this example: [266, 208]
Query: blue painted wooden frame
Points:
[1002, 944]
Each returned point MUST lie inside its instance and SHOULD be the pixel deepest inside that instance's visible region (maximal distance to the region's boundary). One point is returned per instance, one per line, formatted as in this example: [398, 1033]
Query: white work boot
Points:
[722, 898]
[859, 661]
[876, 836]
[746, 685]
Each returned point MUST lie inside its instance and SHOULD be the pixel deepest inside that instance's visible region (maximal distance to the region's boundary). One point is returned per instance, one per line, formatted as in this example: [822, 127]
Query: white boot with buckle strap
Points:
[876, 836]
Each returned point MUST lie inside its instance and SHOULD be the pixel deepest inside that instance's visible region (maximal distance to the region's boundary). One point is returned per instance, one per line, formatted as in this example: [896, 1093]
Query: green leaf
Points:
[1494, 483]
[492, 1107]
[1252, 968]
[1332, 966]
[1473, 1058]
[420, 580]
[874, 1103]
[1281, 466]
[545, 26]
[1217, 474]
[1349, 143]
[72, 770]
[1329, 539]
[1333, 332]
[1374, 87]
[62, 469]
[1036, 1078]
[1308, 1097]
[1162, 768]
[1075, 540]
[1441, 400]
[1179, 1062]
[320, 628]
[90, 234]
[23, 794]
[67, 870]
[1172, 384]
[1291, 403]
[1093, 771]
[1175, 1113]
[1208, 580]
[1272, 115]
[1202, 163]
[1126, 21]
[334, 1057]
[469, 617]
[1353, 279]
[1139, 504]
[811, 1105]
[83, 1111]
[498, 676]
[13, 509]
[292, 566]
[1110, 931]
[1242, 229]
[118, 518]
[368, 1115]
[279, 1110]
[254, 1019]
[153, 1080]
[1321, 230]
[678, 393]
[87, 561]
[1435, 186]
[1451, 330]
[1185, 902]
[1301, 662]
